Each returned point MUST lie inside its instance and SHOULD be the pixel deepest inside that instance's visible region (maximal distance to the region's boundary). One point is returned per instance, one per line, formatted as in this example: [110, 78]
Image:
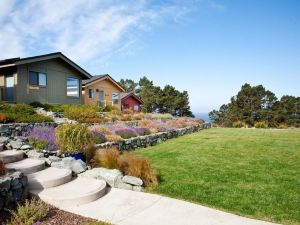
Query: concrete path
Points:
[123, 207]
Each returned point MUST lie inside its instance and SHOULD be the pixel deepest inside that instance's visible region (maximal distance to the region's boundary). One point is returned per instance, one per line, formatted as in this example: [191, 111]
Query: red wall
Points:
[131, 101]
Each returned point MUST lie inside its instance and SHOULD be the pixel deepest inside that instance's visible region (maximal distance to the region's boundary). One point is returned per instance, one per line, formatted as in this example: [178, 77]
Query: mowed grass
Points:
[250, 172]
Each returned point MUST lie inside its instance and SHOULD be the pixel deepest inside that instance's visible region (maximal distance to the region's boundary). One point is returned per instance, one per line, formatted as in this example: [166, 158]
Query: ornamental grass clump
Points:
[137, 166]
[107, 158]
[81, 112]
[238, 124]
[73, 138]
[126, 133]
[261, 124]
[2, 168]
[42, 138]
[32, 212]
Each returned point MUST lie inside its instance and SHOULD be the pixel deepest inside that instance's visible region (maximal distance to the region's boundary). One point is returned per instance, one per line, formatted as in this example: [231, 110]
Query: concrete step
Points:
[77, 192]
[27, 166]
[10, 156]
[49, 177]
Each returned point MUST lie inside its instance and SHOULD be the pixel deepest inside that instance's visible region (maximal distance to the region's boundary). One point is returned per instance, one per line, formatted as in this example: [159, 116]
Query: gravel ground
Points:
[57, 217]
[60, 217]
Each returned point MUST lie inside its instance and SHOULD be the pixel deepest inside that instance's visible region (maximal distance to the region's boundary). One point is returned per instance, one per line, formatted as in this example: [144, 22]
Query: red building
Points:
[131, 101]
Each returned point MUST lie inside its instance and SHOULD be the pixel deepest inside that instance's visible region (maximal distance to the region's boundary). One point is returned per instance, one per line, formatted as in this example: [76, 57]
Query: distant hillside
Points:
[203, 116]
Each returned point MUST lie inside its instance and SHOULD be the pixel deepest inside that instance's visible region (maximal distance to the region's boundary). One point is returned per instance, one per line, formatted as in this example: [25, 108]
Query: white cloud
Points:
[81, 29]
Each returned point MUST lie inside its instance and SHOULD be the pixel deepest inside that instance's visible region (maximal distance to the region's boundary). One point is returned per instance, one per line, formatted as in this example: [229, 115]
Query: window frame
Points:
[91, 93]
[78, 88]
[113, 100]
[38, 74]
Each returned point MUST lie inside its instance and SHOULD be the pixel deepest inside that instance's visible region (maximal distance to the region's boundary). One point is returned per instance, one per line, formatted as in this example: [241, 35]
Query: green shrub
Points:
[38, 143]
[107, 108]
[81, 112]
[22, 113]
[238, 124]
[282, 126]
[23, 118]
[29, 213]
[73, 138]
[261, 124]
[36, 105]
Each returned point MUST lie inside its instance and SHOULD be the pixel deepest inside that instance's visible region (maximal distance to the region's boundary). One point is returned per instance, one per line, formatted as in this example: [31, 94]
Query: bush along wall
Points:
[152, 139]
[13, 190]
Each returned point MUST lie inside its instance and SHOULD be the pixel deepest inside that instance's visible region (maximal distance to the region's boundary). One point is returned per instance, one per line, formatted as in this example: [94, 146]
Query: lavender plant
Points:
[99, 137]
[42, 138]
[141, 131]
[126, 133]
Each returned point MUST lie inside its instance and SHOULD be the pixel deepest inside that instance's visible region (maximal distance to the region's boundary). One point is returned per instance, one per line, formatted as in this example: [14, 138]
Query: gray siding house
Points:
[51, 78]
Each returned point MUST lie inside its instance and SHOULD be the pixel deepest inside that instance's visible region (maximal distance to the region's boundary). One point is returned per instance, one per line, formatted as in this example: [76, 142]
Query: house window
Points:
[91, 93]
[136, 107]
[72, 87]
[115, 98]
[37, 79]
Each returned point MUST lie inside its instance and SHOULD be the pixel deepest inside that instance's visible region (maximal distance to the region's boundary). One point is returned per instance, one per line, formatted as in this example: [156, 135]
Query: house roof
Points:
[21, 61]
[96, 78]
[131, 94]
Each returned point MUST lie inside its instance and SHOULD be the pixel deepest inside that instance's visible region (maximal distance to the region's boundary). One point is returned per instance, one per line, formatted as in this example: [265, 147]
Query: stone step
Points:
[27, 166]
[49, 177]
[10, 156]
[77, 192]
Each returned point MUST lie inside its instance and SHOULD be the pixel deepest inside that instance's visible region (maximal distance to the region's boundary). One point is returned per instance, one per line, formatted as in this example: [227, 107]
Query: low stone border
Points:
[17, 129]
[13, 189]
[152, 139]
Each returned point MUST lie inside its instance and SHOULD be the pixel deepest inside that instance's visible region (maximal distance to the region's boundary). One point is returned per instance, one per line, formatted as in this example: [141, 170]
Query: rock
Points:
[125, 186]
[5, 183]
[15, 144]
[25, 147]
[4, 140]
[1, 147]
[54, 158]
[137, 188]
[35, 154]
[132, 180]
[67, 162]
[112, 177]
[78, 166]
[58, 165]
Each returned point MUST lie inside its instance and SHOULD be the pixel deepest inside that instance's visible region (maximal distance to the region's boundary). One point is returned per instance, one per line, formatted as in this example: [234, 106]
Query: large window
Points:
[115, 98]
[73, 87]
[37, 79]
[91, 93]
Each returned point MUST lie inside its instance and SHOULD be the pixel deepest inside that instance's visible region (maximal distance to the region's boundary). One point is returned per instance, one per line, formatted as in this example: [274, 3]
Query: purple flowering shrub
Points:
[98, 136]
[141, 131]
[126, 133]
[42, 138]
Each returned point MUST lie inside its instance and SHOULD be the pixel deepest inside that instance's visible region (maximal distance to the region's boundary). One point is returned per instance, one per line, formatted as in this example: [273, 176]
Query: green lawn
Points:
[254, 173]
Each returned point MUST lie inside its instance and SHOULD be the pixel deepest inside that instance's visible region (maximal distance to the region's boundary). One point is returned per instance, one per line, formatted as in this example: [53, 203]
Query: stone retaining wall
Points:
[17, 129]
[152, 139]
[13, 189]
